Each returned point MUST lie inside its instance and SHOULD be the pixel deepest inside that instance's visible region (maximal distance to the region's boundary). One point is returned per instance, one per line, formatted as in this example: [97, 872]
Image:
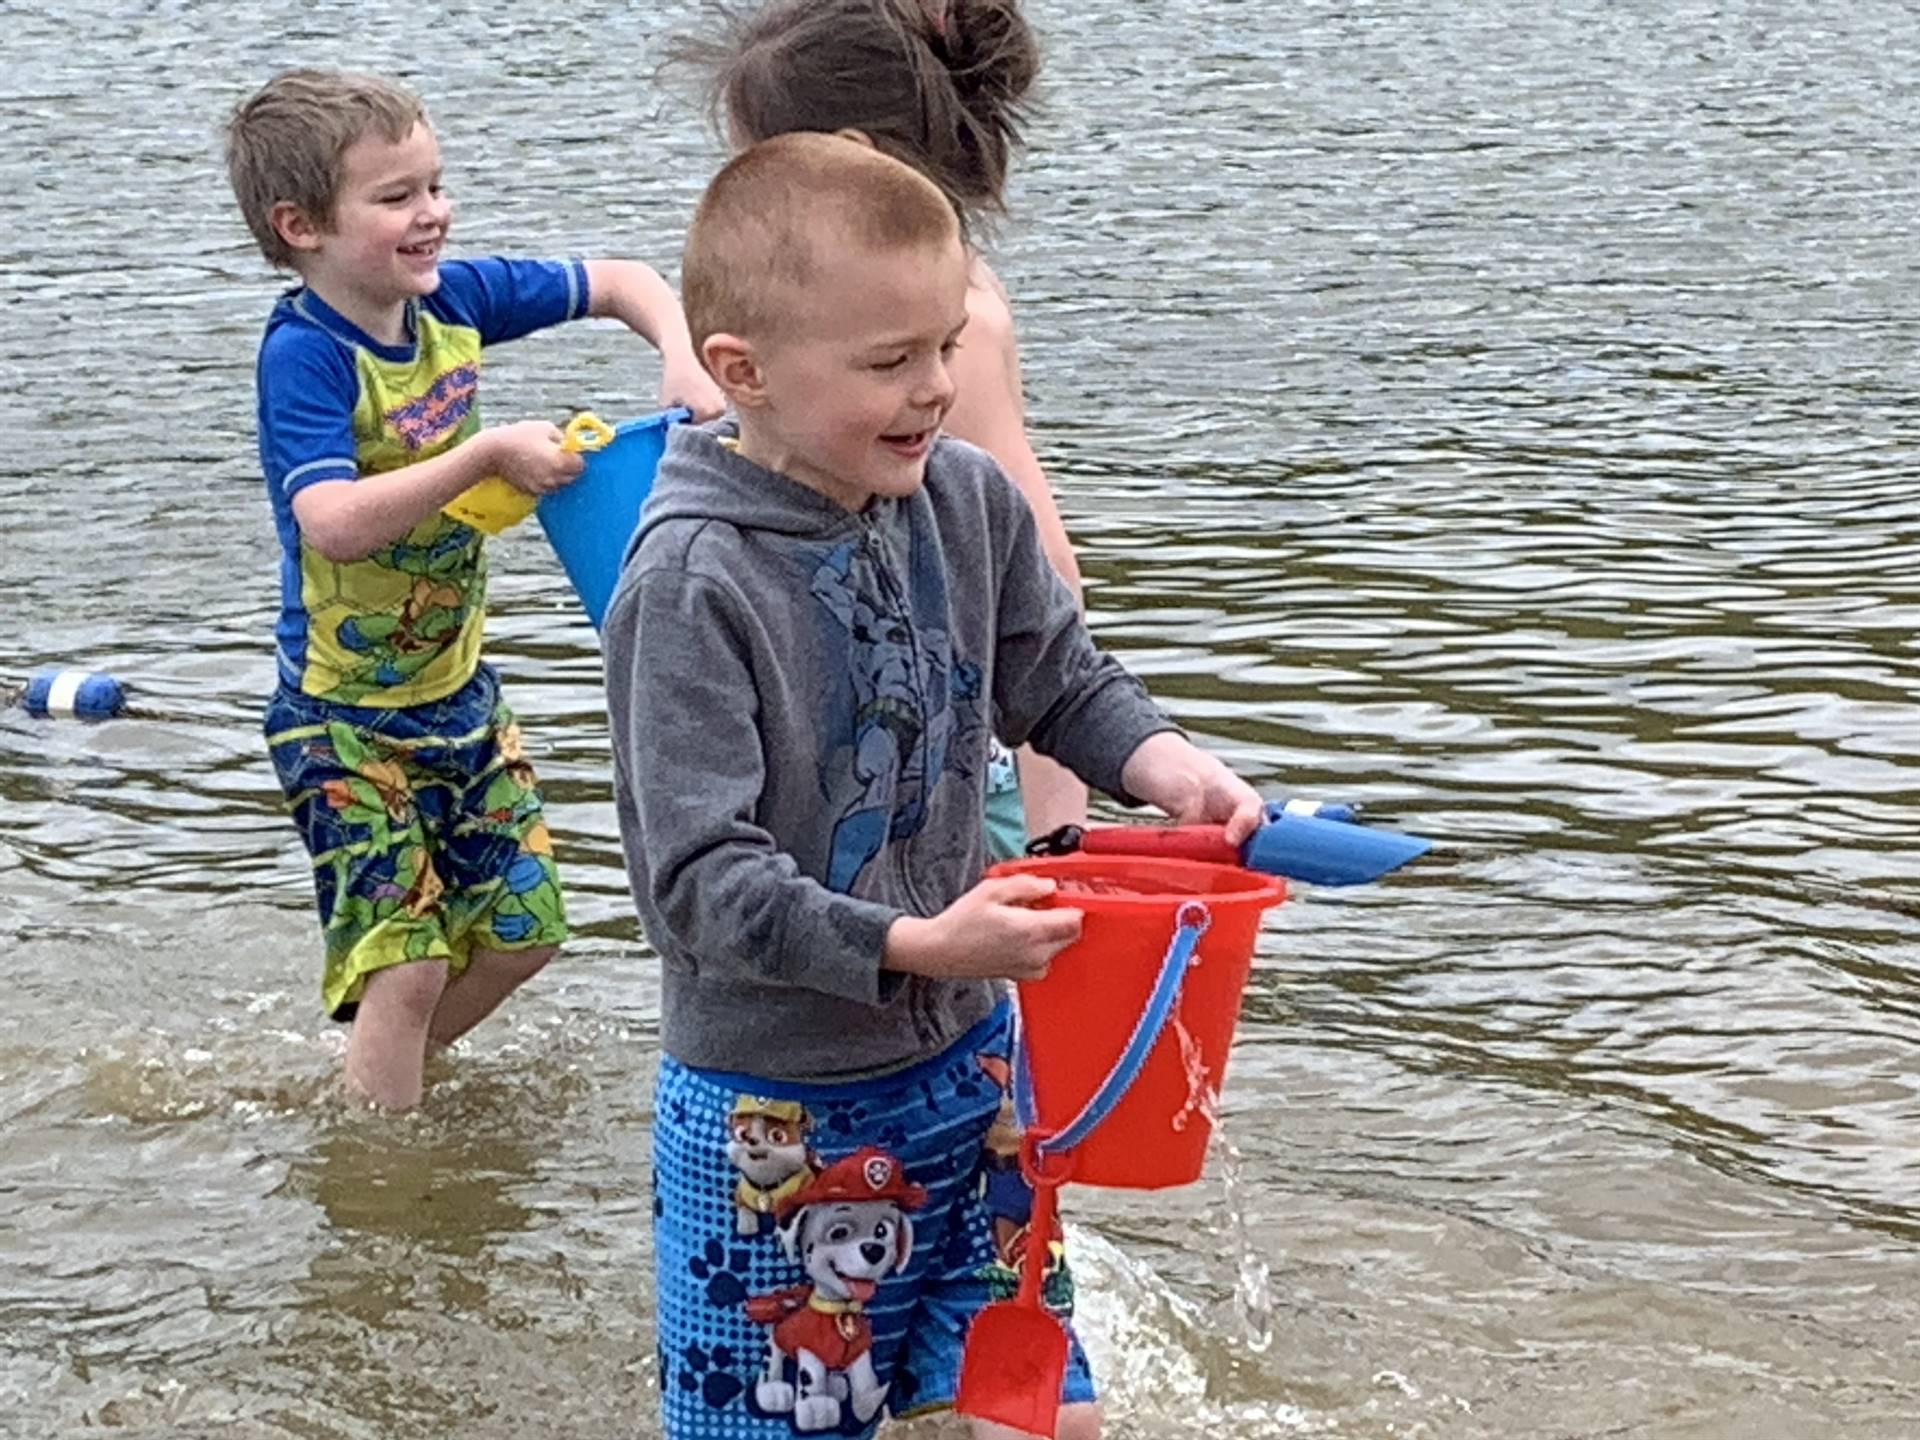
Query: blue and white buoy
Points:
[74, 695]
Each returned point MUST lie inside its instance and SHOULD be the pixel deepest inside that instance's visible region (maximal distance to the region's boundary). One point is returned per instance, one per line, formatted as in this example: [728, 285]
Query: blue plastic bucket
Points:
[590, 522]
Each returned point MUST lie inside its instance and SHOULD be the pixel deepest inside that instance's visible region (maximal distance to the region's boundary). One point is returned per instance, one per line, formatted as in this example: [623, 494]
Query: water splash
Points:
[1252, 1281]
[1157, 1353]
[1252, 1276]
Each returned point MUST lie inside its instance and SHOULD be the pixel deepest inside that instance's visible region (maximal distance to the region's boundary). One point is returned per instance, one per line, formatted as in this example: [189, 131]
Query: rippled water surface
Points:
[1497, 414]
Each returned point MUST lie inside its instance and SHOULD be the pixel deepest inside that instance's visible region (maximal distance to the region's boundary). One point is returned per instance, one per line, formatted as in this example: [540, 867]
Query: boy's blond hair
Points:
[764, 221]
[286, 141]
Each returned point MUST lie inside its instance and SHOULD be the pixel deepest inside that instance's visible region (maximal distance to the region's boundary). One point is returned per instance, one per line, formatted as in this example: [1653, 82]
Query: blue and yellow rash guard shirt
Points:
[403, 626]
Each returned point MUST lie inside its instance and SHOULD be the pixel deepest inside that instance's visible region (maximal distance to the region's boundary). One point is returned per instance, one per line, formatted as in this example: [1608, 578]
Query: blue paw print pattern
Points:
[962, 1250]
[711, 1354]
[933, 1119]
[844, 1120]
[967, 1081]
[722, 1269]
[711, 1374]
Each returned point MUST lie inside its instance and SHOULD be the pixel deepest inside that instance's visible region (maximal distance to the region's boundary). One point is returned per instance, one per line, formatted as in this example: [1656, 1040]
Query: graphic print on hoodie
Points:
[906, 698]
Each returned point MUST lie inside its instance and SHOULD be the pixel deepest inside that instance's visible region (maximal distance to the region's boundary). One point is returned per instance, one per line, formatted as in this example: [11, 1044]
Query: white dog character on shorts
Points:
[846, 1230]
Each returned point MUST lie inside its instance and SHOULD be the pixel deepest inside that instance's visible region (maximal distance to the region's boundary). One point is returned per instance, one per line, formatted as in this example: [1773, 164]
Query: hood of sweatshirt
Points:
[703, 476]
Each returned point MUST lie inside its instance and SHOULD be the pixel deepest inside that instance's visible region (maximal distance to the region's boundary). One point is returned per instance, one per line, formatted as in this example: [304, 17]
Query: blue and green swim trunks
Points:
[822, 1249]
[425, 828]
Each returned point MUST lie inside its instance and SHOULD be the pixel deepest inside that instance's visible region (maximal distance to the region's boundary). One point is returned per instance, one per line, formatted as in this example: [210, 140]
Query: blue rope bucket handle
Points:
[1190, 923]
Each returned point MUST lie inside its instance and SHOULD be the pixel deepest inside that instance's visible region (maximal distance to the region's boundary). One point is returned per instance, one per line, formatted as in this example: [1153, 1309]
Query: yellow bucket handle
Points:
[587, 432]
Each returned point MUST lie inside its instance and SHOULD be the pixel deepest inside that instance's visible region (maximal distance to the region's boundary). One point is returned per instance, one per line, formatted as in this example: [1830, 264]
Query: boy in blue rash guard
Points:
[401, 764]
[829, 612]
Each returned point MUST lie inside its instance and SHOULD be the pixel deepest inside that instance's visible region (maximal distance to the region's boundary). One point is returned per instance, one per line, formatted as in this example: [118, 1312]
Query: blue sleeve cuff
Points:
[580, 288]
[314, 471]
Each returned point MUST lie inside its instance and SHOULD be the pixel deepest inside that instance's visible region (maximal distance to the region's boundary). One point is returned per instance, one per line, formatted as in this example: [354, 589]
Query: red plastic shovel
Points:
[1016, 1355]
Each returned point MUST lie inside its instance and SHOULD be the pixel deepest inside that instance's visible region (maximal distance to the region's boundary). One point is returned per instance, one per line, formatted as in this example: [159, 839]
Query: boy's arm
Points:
[1089, 712]
[634, 294]
[348, 520]
[307, 393]
[506, 298]
[713, 886]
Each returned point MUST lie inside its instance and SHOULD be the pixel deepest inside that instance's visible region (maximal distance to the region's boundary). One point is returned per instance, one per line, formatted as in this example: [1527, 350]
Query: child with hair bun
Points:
[945, 86]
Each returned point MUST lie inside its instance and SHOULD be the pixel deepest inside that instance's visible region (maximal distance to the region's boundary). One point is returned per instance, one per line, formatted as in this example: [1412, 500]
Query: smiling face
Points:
[381, 245]
[766, 1149]
[848, 1247]
[847, 391]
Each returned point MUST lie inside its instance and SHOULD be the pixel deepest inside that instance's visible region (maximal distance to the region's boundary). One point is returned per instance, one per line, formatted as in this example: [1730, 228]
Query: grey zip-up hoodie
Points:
[801, 702]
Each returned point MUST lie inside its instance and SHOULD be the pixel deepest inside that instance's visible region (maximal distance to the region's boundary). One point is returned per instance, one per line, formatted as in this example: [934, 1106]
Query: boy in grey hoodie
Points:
[828, 612]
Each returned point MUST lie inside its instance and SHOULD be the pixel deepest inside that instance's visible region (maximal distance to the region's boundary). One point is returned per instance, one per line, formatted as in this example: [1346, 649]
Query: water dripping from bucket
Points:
[1252, 1276]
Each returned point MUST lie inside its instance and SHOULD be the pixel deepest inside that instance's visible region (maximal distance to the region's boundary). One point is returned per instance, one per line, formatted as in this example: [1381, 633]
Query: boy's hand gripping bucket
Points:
[590, 522]
[1126, 1039]
[496, 505]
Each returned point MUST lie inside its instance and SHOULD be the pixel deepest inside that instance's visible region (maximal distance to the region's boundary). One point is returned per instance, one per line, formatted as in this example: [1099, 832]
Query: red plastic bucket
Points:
[1077, 1022]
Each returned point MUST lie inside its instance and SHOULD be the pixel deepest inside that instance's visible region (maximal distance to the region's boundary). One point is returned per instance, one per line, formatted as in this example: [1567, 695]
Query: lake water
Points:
[1498, 414]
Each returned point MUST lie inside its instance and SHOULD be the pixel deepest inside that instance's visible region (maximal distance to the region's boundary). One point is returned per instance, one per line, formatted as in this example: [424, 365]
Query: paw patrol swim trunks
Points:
[822, 1249]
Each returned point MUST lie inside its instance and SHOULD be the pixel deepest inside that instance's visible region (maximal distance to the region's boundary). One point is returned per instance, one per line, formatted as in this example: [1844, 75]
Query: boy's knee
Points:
[515, 966]
[411, 990]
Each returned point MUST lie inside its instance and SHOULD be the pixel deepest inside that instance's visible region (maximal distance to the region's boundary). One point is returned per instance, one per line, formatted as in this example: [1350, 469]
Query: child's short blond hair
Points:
[285, 143]
[757, 236]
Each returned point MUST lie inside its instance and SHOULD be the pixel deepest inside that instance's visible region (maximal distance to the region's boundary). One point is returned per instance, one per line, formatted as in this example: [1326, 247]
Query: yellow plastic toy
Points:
[495, 505]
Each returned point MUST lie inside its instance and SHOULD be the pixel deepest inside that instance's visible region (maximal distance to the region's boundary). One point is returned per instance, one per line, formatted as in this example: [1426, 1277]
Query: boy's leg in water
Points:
[387, 1048]
[503, 893]
[365, 814]
[430, 853]
[490, 976]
